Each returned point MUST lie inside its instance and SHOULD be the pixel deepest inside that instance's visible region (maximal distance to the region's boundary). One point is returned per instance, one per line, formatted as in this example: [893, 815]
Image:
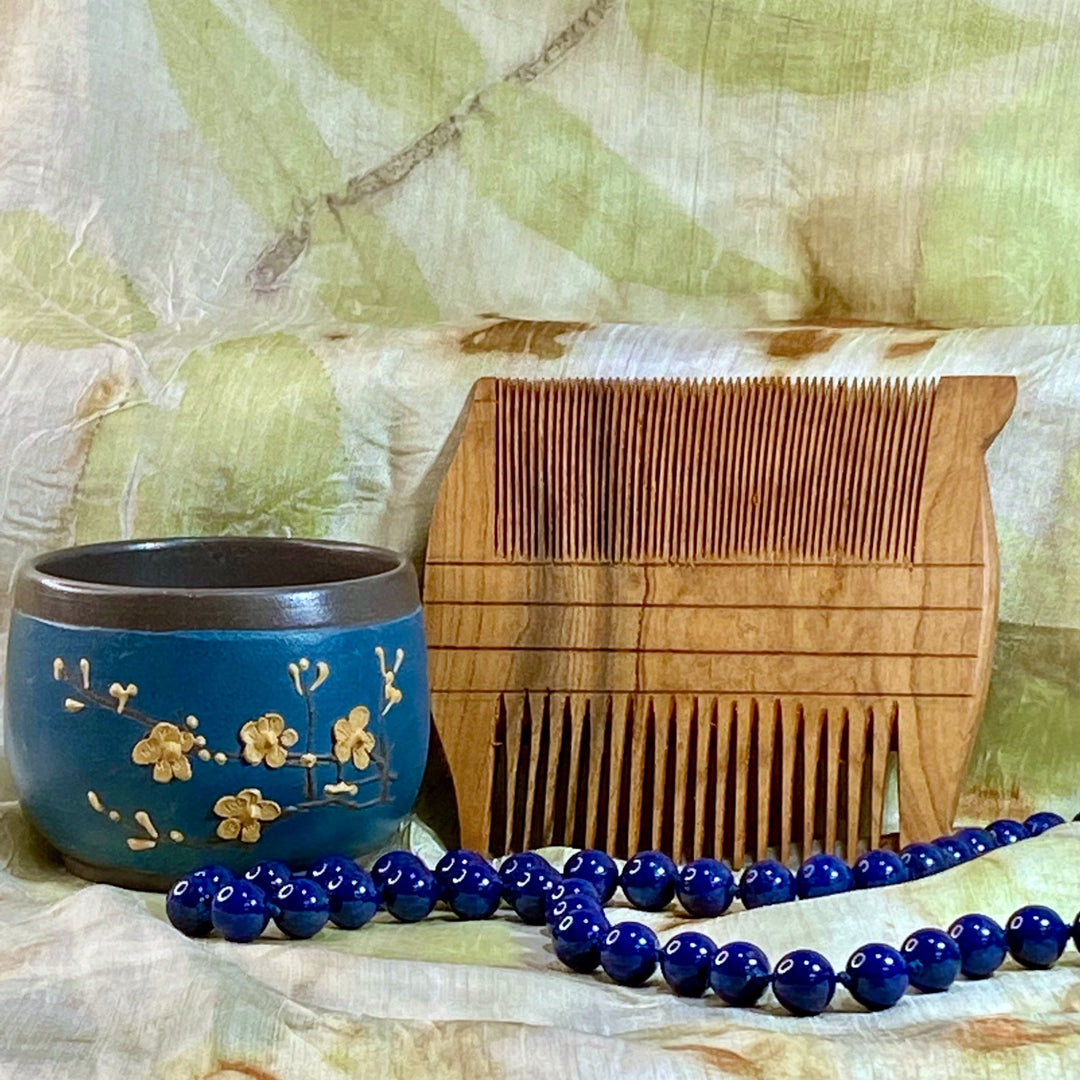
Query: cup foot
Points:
[126, 879]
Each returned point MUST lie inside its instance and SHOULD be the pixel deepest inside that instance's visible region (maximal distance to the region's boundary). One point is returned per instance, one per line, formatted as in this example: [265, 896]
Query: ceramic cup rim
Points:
[346, 584]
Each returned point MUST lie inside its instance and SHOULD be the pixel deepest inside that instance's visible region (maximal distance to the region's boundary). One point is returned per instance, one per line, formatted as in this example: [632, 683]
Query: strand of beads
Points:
[804, 982]
[337, 890]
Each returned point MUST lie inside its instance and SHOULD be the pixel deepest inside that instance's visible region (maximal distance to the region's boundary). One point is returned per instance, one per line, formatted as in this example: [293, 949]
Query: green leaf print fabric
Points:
[253, 257]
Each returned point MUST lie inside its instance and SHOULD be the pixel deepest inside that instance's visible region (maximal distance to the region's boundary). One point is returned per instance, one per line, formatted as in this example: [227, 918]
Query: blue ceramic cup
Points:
[172, 703]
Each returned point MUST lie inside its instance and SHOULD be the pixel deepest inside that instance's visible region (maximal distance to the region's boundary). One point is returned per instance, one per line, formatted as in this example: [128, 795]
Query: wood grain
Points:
[703, 616]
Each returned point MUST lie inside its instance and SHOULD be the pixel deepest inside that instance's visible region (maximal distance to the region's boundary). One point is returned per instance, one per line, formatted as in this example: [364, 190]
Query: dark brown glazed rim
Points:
[218, 583]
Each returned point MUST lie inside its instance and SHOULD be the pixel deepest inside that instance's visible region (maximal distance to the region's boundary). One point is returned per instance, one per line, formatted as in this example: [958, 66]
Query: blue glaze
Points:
[876, 976]
[269, 875]
[474, 891]
[388, 864]
[214, 875]
[188, 906]
[225, 679]
[566, 888]
[979, 840]
[686, 961]
[982, 945]
[648, 880]
[239, 911]
[578, 938]
[354, 899]
[452, 863]
[330, 866]
[1038, 823]
[823, 875]
[740, 973]
[804, 982]
[766, 882]
[409, 891]
[705, 888]
[932, 958]
[530, 888]
[922, 860]
[303, 908]
[628, 953]
[1006, 831]
[954, 850]
[1036, 936]
[596, 867]
[878, 868]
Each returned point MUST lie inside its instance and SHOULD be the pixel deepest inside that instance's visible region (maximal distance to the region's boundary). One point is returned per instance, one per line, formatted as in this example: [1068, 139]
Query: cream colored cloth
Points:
[94, 983]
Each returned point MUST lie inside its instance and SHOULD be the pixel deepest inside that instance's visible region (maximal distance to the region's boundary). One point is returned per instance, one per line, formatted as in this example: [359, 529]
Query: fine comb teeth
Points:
[701, 616]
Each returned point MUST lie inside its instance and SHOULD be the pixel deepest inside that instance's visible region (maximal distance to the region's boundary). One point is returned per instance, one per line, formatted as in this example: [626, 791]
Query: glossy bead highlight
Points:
[982, 945]
[686, 961]
[922, 860]
[629, 953]
[1036, 936]
[932, 958]
[740, 973]
[187, 906]
[596, 867]
[239, 911]
[766, 882]
[804, 982]
[648, 880]
[706, 888]
[878, 868]
[823, 875]
[303, 908]
[876, 976]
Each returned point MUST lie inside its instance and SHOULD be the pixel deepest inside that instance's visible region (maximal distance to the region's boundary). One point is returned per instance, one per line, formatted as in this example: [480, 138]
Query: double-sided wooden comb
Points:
[700, 616]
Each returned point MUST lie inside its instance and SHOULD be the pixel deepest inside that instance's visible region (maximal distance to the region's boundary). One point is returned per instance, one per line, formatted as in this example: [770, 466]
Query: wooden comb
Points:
[699, 616]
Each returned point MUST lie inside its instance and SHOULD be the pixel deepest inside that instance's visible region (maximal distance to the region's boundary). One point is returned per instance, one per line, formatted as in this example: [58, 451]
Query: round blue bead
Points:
[269, 875]
[740, 973]
[979, 840]
[686, 961]
[330, 866]
[877, 868]
[354, 899]
[387, 865]
[452, 863]
[511, 868]
[628, 953]
[804, 982]
[648, 880]
[410, 891]
[214, 875]
[1036, 936]
[239, 911]
[188, 906]
[303, 908]
[766, 882]
[474, 892]
[529, 889]
[578, 938]
[566, 888]
[1040, 822]
[1006, 831]
[823, 875]
[982, 945]
[876, 976]
[932, 958]
[557, 912]
[922, 860]
[705, 888]
[954, 850]
[596, 867]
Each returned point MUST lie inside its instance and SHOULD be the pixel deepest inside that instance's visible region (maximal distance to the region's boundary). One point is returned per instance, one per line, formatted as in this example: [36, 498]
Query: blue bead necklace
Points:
[572, 903]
